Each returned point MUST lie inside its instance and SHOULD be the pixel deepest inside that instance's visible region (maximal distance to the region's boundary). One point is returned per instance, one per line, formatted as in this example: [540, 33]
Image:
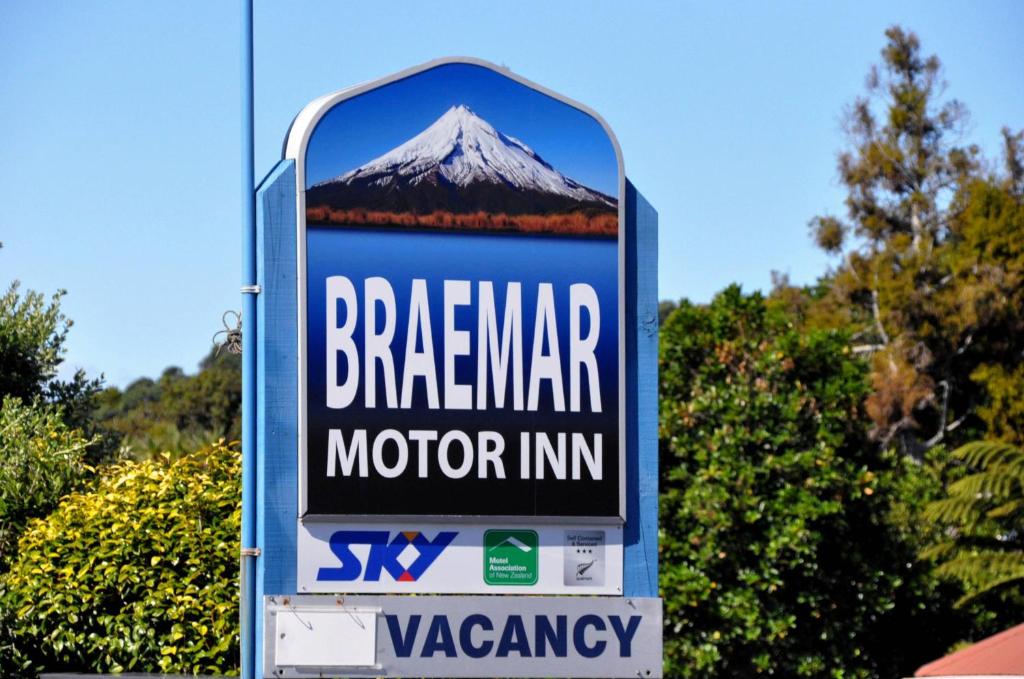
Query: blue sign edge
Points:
[277, 409]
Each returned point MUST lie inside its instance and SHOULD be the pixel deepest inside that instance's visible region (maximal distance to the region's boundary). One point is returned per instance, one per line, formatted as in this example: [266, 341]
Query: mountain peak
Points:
[460, 148]
[460, 110]
[459, 125]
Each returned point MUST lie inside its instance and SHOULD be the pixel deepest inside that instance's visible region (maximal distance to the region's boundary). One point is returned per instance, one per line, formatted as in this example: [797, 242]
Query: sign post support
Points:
[546, 487]
[247, 607]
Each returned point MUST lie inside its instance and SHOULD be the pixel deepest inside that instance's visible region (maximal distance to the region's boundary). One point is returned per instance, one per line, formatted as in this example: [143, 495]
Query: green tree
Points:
[665, 309]
[177, 412]
[787, 546]
[32, 335]
[930, 282]
[211, 400]
[33, 331]
[985, 298]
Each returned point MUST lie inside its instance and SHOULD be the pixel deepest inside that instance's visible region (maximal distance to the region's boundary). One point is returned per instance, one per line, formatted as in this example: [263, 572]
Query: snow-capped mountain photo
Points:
[462, 173]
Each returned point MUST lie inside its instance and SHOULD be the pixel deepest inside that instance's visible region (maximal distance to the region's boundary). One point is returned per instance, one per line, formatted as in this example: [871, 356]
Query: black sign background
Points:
[435, 257]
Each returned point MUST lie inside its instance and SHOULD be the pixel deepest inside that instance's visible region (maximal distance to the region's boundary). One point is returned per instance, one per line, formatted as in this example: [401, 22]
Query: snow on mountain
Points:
[461, 149]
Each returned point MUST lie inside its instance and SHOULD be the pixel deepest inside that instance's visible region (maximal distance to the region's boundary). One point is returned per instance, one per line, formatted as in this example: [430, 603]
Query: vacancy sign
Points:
[470, 636]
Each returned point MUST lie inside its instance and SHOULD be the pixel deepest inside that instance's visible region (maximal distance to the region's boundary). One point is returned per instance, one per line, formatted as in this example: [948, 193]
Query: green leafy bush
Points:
[784, 547]
[32, 336]
[41, 460]
[138, 575]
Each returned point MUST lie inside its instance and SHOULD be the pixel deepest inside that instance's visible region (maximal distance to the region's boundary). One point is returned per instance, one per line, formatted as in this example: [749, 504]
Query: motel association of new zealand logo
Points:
[510, 557]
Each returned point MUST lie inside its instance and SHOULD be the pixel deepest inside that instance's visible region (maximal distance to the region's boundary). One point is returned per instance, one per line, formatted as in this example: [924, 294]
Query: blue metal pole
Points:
[247, 604]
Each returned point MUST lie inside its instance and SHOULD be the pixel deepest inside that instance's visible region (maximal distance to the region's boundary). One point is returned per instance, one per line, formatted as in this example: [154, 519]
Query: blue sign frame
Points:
[277, 409]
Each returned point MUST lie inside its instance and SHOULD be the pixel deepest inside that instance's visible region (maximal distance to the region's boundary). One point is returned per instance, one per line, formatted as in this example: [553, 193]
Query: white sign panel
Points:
[319, 637]
[479, 636]
[459, 558]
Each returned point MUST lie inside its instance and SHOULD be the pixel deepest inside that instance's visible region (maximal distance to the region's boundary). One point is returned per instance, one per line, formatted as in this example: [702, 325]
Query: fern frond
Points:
[938, 551]
[990, 586]
[982, 568]
[982, 515]
[956, 510]
[985, 453]
[1008, 509]
[996, 481]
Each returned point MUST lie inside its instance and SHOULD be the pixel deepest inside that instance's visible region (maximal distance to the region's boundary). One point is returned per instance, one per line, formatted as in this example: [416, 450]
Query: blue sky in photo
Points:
[362, 128]
[120, 130]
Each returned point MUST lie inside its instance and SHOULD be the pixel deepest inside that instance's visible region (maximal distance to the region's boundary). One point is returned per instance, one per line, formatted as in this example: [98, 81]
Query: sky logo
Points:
[383, 555]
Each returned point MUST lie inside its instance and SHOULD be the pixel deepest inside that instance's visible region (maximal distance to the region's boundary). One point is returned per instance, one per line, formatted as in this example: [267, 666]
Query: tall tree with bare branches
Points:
[916, 278]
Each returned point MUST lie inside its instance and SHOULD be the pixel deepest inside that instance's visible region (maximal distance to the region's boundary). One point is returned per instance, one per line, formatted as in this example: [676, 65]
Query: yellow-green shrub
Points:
[41, 460]
[138, 575]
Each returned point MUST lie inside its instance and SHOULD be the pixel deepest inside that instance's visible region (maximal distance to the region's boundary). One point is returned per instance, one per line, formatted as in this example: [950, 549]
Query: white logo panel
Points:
[454, 558]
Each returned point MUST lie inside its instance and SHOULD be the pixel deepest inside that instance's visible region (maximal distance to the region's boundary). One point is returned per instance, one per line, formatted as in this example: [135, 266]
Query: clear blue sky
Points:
[119, 129]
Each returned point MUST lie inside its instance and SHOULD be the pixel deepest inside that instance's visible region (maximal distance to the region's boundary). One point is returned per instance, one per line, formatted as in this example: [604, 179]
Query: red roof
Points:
[1001, 653]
